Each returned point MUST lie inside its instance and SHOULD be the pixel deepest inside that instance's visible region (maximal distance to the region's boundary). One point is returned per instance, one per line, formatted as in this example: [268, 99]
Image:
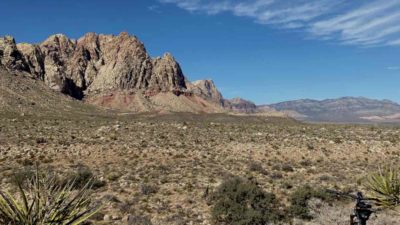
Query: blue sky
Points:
[263, 50]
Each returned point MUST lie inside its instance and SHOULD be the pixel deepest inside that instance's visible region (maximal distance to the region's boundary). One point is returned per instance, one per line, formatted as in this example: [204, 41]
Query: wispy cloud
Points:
[362, 23]
[154, 8]
[393, 68]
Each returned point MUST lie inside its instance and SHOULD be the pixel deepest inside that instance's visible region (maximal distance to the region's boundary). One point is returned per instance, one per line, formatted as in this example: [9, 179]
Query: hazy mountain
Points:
[240, 105]
[346, 109]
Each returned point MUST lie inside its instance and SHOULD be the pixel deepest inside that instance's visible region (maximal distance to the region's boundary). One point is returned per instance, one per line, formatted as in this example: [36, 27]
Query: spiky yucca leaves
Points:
[44, 202]
[385, 186]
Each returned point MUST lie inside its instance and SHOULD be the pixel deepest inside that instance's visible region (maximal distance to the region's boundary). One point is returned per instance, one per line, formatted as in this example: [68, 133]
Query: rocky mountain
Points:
[206, 89]
[240, 105]
[347, 109]
[116, 72]
[110, 71]
[93, 64]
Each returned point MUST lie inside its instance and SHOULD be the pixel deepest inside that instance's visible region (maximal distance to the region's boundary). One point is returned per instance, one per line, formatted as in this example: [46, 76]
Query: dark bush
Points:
[299, 201]
[239, 201]
[81, 176]
[138, 220]
[148, 189]
[257, 167]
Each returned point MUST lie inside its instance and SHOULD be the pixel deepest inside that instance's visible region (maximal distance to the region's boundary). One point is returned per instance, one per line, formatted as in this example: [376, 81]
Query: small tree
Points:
[44, 202]
[385, 187]
[239, 201]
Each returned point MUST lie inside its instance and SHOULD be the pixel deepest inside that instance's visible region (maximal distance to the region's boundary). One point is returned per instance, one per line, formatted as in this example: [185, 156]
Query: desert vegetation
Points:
[199, 169]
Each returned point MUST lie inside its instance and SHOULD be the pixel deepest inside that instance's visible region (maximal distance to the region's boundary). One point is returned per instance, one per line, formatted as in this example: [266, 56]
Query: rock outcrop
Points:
[240, 105]
[10, 57]
[93, 64]
[207, 90]
[33, 58]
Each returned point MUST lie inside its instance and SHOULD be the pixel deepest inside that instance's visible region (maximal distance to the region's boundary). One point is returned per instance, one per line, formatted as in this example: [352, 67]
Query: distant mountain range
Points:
[343, 110]
[116, 72]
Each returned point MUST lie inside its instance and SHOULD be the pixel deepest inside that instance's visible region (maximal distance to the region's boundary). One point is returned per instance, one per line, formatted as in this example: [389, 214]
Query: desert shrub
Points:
[43, 202]
[306, 163]
[81, 176]
[113, 176]
[239, 201]
[385, 187]
[41, 140]
[276, 176]
[299, 201]
[138, 220]
[148, 189]
[287, 168]
[257, 167]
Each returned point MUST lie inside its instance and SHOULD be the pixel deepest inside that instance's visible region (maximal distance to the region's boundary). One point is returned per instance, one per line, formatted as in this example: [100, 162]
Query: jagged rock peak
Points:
[93, 64]
[10, 57]
[7, 40]
[207, 89]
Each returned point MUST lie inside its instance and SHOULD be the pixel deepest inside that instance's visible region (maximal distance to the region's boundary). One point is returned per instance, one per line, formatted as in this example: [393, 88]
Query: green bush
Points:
[238, 201]
[299, 201]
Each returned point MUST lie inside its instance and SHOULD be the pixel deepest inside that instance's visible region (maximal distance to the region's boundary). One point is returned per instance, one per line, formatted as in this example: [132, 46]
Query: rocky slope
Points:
[347, 109]
[22, 95]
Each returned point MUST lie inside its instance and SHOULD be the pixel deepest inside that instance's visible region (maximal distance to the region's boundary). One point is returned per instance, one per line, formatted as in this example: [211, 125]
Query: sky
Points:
[266, 51]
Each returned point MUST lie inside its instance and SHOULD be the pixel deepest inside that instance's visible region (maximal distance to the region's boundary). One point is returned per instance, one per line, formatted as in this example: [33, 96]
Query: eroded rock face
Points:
[167, 74]
[208, 90]
[10, 57]
[93, 64]
[34, 59]
[112, 62]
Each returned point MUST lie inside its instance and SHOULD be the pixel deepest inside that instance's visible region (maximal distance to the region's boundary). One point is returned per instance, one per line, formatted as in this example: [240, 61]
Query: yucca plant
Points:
[385, 187]
[45, 202]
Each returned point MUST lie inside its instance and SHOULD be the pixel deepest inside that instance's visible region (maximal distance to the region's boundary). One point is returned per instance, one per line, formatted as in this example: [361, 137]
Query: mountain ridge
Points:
[113, 71]
[116, 72]
[343, 109]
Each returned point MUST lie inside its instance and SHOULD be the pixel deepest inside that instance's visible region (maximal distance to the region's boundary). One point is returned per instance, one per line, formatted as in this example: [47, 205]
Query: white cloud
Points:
[393, 68]
[363, 23]
[394, 42]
